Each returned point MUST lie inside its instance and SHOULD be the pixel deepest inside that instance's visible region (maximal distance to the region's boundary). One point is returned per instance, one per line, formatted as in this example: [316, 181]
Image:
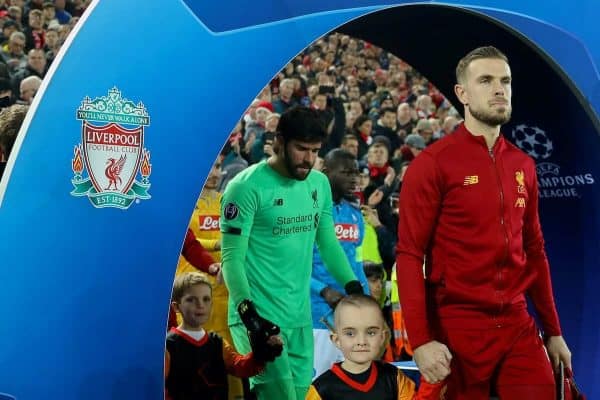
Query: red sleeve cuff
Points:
[419, 335]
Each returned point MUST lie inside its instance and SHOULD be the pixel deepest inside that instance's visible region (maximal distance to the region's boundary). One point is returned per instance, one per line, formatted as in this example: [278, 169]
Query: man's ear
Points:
[175, 306]
[461, 94]
[278, 142]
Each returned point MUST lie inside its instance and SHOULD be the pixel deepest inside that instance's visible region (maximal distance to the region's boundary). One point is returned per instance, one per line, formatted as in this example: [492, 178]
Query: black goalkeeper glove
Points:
[259, 332]
[354, 287]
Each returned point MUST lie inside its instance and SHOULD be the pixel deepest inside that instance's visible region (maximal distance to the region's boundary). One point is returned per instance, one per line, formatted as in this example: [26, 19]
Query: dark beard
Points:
[291, 168]
[489, 118]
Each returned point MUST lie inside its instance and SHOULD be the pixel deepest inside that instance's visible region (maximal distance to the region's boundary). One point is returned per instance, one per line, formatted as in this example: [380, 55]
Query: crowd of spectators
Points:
[32, 33]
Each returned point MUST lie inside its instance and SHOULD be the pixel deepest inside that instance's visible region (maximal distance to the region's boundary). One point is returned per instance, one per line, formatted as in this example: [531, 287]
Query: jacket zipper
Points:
[502, 222]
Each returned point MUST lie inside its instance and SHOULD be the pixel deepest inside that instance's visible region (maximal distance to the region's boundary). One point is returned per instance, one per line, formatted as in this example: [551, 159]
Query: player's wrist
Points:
[213, 269]
[248, 314]
[325, 291]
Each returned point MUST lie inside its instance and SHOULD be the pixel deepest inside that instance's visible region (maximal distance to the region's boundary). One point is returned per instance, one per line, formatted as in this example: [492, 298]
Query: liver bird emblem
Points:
[520, 177]
[113, 170]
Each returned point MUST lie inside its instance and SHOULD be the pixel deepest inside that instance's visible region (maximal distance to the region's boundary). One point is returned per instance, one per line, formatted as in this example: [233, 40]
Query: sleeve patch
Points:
[231, 211]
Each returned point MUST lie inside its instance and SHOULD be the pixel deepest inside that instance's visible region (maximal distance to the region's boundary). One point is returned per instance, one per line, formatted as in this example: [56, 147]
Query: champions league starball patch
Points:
[112, 152]
[230, 211]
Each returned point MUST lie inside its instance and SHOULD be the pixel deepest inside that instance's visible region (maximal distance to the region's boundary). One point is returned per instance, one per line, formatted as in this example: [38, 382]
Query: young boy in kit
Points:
[197, 362]
[360, 334]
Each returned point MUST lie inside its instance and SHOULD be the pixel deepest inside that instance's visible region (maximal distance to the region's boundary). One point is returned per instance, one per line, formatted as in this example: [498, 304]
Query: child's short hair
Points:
[356, 300]
[185, 281]
[373, 270]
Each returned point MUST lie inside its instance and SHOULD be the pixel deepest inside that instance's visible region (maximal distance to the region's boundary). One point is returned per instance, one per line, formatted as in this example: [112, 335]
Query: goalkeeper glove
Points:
[259, 332]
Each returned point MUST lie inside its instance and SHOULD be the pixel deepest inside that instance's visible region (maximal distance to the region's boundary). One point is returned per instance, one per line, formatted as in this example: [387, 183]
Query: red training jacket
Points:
[474, 214]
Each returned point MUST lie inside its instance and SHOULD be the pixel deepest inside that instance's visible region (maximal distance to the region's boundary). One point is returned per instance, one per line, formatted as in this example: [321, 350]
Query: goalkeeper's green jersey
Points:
[269, 225]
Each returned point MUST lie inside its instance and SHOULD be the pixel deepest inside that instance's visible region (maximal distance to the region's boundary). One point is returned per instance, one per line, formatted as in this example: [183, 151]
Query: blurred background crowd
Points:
[32, 33]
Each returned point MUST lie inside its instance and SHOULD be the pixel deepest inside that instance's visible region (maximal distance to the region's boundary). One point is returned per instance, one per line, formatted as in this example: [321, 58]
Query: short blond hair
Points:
[356, 300]
[185, 281]
[286, 81]
[476, 54]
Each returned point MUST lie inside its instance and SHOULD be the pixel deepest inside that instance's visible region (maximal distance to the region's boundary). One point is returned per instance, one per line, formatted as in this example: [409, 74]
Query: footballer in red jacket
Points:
[469, 211]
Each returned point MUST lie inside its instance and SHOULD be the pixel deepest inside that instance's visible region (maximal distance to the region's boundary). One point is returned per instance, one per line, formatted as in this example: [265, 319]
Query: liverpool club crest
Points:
[111, 166]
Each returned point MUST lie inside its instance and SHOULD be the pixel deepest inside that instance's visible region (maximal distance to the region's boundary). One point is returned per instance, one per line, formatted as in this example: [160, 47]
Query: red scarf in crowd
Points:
[366, 138]
[375, 172]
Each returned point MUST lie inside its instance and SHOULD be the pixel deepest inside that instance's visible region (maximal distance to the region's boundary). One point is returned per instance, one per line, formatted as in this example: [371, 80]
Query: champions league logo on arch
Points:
[552, 184]
[111, 153]
[533, 141]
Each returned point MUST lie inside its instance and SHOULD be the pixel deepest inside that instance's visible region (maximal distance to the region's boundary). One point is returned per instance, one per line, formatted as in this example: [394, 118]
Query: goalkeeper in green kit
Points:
[272, 213]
